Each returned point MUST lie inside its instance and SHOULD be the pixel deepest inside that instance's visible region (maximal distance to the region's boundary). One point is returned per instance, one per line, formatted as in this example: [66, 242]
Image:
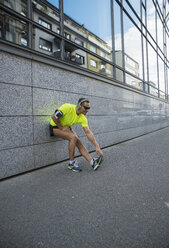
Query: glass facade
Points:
[123, 40]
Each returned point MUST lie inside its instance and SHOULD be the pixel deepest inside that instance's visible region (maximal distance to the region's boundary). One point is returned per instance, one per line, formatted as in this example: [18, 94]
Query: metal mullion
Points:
[165, 52]
[113, 37]
[131, 7]
[122, 35]
[62, 44]
[157, 54]
[137, 25]
[147, 47]
[16, 15]
[158, 9]
[166, 75]
[147, 32]
[29, 3]
[160, 13]
[142, 44]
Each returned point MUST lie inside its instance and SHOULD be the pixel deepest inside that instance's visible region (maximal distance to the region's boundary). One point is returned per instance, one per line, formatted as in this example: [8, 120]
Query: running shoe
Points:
[74, 167]
[97, 162]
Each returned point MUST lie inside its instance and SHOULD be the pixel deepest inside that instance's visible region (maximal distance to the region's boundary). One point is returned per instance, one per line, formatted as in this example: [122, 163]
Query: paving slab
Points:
[124, 204]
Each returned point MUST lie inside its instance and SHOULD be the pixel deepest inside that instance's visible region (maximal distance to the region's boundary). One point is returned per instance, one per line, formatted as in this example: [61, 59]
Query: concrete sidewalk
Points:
[125, 204]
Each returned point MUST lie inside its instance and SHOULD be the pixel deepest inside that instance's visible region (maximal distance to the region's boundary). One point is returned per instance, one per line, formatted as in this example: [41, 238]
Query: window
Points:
[12, 29]
[130, 62]
[93, 49]
[68, 36]
[108, 71]
[93, 63]
[79, 42]
[80, 59]
[103, 66]
[18, 5]
[24, 42]
[45, 45]
[103, 54]
[45, 24]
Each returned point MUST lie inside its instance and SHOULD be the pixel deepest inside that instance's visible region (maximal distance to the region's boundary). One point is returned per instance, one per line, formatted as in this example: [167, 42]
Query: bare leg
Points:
[70, 136]
[73, 142]
[72, 146]
[83, 150]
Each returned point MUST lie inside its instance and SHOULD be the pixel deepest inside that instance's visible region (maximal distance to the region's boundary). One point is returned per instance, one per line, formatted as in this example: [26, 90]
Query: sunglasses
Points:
[85, 107]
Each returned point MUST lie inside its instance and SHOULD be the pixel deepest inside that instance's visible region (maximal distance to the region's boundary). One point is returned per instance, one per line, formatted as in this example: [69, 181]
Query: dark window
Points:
[68, 36]
[80, 59]
[79, 42]
[45, 45]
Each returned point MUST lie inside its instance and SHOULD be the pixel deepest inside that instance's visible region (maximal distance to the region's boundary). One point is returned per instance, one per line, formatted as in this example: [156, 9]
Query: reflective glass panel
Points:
[75, 55]
[145, 58]
[17, 5]
[46, 43]
[78, 57]
[118, 42]
[162, 95]
[45, 16]
[167, 47]
[160, 2]
[132, 48]
[134, 82]
[153, 89]
[54, 3]
[97, 65]
[119, 75]
[117, 34]
[144, 20]
[135, 4]
[13, 30]
[151, 19]
[161, 74]
[89, 24]
[152, 63]
[146, 87]
[160, 33]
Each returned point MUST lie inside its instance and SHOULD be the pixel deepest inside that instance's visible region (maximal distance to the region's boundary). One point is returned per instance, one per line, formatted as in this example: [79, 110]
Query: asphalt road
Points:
[125, 204]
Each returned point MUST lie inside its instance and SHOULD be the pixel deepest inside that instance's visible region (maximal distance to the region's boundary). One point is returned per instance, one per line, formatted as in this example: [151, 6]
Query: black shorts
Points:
[52, 127]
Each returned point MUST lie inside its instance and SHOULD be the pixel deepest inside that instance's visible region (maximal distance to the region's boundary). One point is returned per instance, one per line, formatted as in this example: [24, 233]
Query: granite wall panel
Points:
[15, 161]
[15, 132]
[31, 91]
[15, 100]
[15, 70]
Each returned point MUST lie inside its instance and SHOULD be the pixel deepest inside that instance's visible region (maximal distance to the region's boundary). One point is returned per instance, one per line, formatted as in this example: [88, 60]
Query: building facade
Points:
[115, 52]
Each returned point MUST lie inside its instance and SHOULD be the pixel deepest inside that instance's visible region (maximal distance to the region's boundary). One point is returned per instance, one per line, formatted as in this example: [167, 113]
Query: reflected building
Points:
[99, 47]
[12, 29]
[38, 25]
[132, 67]
[74, 32]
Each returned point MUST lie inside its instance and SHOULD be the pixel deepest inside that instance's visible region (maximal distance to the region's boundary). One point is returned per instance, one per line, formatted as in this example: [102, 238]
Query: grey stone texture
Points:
[15, 70]
[15, 100]
[124, 204]
[30, 91]
[16, 132]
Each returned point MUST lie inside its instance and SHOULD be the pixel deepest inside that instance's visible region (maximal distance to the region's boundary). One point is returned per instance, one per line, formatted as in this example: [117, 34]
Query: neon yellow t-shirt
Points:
[70, 117]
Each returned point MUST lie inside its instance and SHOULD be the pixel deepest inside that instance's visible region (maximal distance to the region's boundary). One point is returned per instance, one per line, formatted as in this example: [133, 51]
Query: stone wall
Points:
[30, 91]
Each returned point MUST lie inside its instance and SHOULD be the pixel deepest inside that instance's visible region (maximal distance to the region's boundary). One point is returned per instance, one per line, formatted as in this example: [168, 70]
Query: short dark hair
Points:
[81, 100]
